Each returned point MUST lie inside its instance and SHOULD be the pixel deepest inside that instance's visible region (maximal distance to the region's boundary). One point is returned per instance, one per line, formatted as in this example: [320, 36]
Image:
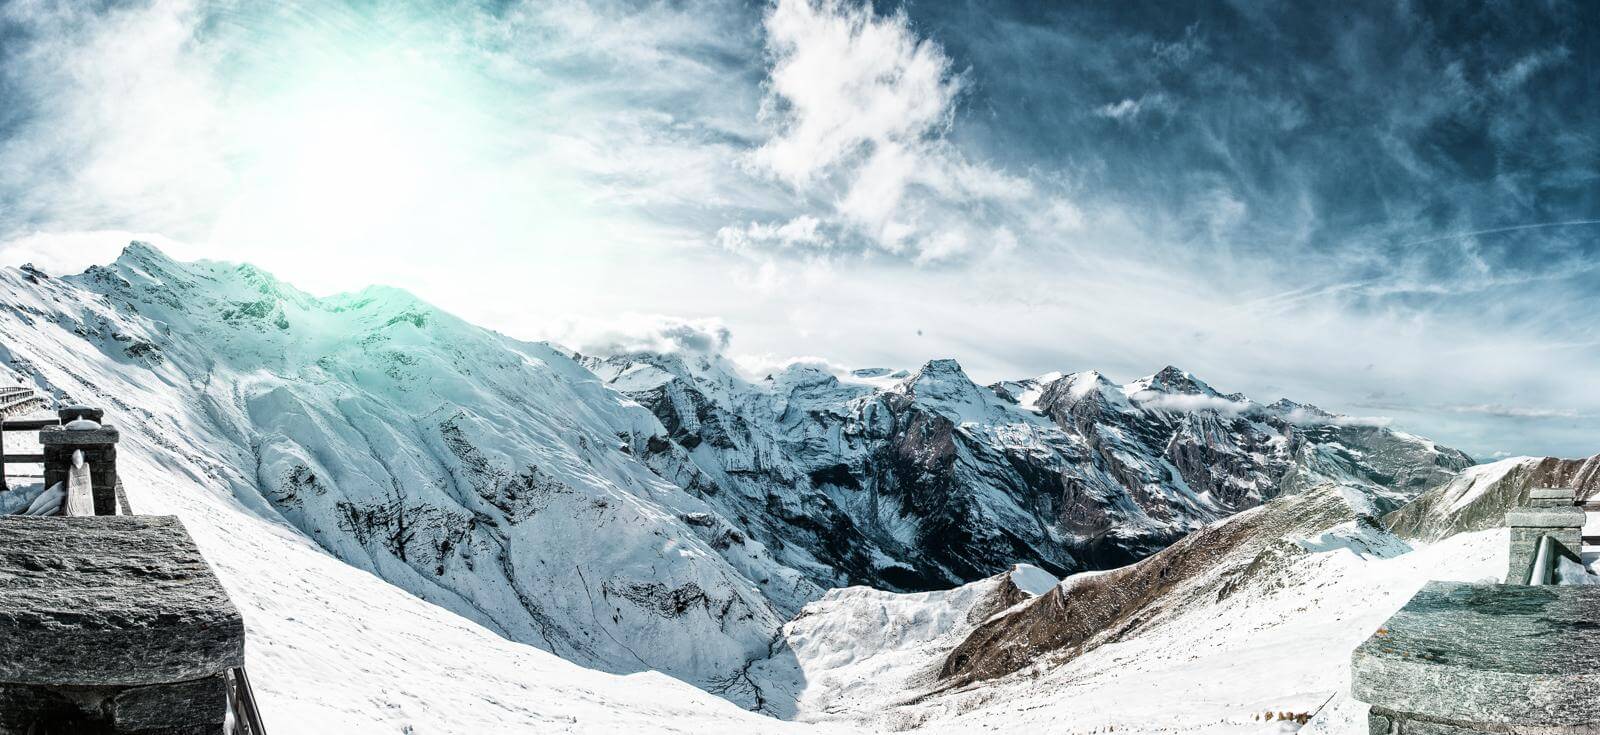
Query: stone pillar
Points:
[80, 431]
[1564, 524]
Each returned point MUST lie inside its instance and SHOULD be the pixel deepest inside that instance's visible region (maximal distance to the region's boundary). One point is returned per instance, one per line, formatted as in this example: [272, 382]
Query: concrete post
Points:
[1528, 525]
[81, 432]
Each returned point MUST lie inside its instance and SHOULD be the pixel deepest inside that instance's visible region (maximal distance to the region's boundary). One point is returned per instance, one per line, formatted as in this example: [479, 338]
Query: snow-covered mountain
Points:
[496, 478]
[933, 481]
[652, 511]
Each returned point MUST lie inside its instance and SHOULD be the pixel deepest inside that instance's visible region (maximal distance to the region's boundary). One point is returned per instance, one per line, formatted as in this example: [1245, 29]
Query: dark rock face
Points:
[936, 481]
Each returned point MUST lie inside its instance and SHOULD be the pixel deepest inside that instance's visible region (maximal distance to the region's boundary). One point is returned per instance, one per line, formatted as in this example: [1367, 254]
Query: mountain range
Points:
[664, 512]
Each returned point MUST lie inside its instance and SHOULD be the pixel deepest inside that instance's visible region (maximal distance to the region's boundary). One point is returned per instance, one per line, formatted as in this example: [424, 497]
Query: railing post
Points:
[81, 431]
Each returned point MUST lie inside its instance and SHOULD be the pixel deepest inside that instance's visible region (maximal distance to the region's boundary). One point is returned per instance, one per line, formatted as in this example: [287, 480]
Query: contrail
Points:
[1512, 228]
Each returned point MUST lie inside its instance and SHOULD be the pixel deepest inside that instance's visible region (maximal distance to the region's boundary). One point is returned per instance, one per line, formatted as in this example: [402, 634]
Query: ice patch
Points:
[1357, 537]
[1033, 580]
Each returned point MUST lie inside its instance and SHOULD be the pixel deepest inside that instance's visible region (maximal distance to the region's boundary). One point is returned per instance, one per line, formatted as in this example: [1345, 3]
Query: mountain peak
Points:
[1171, 379]
[142, 253]
[945, 387]
[942, 366]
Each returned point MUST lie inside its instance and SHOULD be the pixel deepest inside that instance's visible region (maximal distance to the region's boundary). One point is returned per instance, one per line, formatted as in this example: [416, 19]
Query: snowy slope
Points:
[494, 478]
[333, 649]
[1258, 614]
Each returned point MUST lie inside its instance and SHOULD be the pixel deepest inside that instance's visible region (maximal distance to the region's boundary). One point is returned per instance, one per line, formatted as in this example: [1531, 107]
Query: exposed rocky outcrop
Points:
[1089, 611]
[1479, 497]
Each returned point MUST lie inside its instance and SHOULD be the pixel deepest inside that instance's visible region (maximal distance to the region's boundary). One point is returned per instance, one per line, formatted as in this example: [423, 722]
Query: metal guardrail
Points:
[1544, 562]
[242, 703]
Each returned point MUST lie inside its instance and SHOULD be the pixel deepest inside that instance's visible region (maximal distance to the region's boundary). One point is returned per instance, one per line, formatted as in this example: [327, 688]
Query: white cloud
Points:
[846, 81]
[860, 105]
[798, 232]
[1128, 109]
[1189, 403]
[1304, 417]
[1515, 75]
[1521, 412]
[648, 332]
[121, 126]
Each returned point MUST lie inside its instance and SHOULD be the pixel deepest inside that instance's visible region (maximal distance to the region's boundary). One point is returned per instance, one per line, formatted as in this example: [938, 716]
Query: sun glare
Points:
[350, 159]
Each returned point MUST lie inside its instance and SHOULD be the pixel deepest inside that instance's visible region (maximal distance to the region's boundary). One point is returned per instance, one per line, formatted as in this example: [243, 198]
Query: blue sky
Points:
[1388, 209]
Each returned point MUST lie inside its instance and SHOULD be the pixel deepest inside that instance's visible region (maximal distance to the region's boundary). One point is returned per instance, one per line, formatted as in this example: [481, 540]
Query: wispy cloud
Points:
[1306, 417]
[1519, 412]
[628, 333]
[1129, 109]
[1189, 403]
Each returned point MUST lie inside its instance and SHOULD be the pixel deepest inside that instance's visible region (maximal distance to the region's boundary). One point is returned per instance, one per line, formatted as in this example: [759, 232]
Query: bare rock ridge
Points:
[1239, 554]
[1088, 612]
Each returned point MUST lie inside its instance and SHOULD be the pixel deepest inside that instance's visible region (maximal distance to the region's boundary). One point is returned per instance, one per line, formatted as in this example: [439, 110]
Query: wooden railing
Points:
[10, 397]
[20, 425]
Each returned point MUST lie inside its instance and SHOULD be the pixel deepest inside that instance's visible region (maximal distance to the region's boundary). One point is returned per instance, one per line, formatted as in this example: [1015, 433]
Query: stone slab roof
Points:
[110, 601]
[1487, 653]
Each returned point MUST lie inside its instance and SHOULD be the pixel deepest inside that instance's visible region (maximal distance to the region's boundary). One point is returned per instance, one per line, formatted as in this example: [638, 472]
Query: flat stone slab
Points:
[1487, 654]
[110, 601]
[1569, 517]
[1552, 493]
[53, 435]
